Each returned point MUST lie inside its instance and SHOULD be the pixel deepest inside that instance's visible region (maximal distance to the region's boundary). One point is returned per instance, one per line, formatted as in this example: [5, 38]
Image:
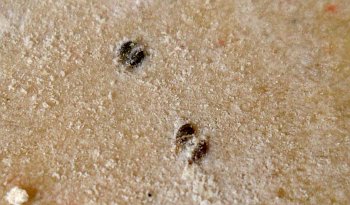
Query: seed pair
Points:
[131, 53]
[187, 142]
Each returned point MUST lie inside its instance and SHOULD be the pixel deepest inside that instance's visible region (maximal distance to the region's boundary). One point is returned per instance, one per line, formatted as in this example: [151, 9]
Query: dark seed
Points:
[199, 151]
[125, 50]
[186, 129]
[183, 135]
[136, 57]
[131, 53]
[149, 195]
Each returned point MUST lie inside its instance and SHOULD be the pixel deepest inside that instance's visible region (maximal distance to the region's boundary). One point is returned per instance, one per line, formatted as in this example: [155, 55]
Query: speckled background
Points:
[267, 81]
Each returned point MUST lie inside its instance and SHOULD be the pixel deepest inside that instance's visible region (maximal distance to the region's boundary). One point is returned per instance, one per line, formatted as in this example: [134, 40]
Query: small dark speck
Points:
[149, 195]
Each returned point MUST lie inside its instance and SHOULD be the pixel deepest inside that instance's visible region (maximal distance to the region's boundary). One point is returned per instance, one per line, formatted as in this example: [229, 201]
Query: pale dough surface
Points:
[267, 81]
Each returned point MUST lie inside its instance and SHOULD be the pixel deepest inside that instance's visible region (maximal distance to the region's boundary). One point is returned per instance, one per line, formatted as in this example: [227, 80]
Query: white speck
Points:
[7, 162]
[56, 175]
[27, 42]
[23, 91]
[99, 19]
[111, 164]
[62, 73]
[4, 25]
[29, 61]
[55, 101]
[12, 84]
[17, 196]
[33, 98]
[110, 95]
[78, 125]
[95, 154]
[45, 105]
[242, 67]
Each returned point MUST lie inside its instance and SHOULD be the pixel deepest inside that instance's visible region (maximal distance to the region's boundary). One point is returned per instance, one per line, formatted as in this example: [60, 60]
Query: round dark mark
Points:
[149, 195]
[186, 129]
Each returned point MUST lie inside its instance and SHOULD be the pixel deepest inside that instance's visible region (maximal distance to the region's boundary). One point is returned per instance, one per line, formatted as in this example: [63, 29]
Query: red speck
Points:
[331, 8]
[221, 42]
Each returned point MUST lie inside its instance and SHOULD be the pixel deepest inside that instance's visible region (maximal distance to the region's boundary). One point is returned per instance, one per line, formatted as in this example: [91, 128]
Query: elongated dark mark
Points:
[183, 135]
[186, 129]
[187, 141]
[199, 151]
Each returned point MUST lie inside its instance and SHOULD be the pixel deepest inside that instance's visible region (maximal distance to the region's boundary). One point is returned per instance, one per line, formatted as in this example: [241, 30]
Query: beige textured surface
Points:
[268, 81]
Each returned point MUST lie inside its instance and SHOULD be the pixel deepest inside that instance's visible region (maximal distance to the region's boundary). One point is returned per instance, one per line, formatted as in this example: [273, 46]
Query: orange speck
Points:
[331, 8]
[221, 42]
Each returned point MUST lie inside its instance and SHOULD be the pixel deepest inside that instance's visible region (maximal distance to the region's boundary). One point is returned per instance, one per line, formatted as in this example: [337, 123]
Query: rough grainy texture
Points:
[268, 81]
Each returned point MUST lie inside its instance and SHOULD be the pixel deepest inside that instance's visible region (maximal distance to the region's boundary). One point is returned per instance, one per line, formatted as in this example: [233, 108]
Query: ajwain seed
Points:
[183, 135]
[194, 148]
[199, 151]
[136, 57]
[131, 53]
[186, 129]
[126, 48]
